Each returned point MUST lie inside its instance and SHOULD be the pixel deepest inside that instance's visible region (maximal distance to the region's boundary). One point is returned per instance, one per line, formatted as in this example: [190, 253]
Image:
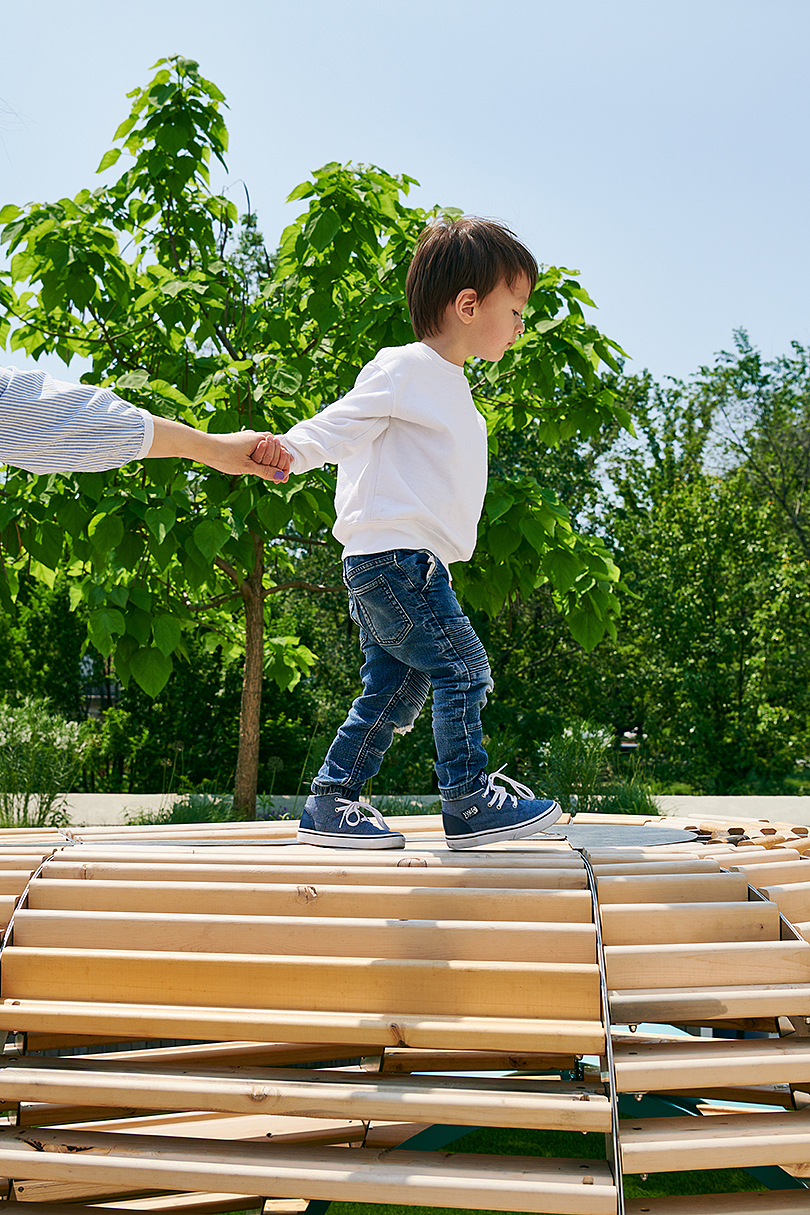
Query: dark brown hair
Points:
[453, 255]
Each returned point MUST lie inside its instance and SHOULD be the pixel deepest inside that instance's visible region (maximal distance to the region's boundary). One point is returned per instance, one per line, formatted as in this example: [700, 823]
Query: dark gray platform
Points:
[614, 835]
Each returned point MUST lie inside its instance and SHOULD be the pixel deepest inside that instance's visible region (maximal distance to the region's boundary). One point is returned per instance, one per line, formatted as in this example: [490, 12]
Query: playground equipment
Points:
[214, 1018]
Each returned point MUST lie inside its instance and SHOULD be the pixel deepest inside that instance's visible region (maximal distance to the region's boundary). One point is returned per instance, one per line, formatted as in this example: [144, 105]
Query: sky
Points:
[658, 148]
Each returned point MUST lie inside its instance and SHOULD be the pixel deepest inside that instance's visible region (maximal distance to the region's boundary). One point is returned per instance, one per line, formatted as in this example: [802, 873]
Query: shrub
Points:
[40, 757]
[579, 769]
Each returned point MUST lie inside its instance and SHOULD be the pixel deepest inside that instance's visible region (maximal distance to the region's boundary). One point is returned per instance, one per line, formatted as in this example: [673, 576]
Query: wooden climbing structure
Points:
[215, 1018]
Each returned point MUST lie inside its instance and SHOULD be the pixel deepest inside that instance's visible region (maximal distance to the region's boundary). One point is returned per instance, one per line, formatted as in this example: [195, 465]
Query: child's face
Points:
[496, 321]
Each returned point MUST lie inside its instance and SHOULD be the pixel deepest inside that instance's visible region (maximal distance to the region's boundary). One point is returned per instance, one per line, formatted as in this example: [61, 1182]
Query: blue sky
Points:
[661, 149]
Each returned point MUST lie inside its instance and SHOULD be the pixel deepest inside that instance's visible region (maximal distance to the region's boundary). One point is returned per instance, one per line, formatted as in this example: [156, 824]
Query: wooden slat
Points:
[709, 1006]
[659, 865]
[7, 904]
[367, 1030]
[360, 938]
[674, 888]
[404, 1062]
[542, 989]
[732, 963]
[707, 1062]
[548, 1104]
[768, 875]
[178, 1204]
[502, 1183]
[525, 854]
[14, 881]
[230, 1054]
[738, 1140]
[367, 902]
[673, 923]
[792, 898]
[767, 1202]
[567, 877]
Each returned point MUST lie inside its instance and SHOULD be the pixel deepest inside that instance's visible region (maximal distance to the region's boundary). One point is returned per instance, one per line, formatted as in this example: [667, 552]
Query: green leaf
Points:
[539, 537]
[502, 540]
[160, 520]
[9, 212]
[167, 633]
[133, 379]
[108, 159]
[105, 532]
[324, 230]
[210, 536]
[563, 568]
[286, 380]
[274, 511]
[151, 669]
[139, 624]
[586, 628]
[103, 625]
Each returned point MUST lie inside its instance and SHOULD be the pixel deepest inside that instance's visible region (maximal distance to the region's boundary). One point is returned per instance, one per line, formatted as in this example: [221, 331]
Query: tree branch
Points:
[300, 584]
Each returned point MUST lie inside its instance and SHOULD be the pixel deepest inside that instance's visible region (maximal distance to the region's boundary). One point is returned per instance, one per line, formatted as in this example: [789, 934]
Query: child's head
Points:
[453, 256]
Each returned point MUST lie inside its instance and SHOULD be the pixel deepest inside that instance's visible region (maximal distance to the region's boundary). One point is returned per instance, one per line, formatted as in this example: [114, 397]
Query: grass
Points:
[568, 1145]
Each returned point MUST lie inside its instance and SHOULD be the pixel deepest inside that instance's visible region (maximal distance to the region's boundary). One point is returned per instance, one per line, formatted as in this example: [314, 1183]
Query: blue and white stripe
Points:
[48, 426]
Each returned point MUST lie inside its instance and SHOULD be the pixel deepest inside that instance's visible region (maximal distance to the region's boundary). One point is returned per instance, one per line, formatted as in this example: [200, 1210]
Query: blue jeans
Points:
[414, 636]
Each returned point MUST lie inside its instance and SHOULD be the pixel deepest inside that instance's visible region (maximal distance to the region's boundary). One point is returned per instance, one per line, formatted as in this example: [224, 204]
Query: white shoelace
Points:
[355, 813]
[496, 795]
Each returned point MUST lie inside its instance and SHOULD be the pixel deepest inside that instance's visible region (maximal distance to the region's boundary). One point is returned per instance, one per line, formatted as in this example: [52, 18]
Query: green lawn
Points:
[567, 1145]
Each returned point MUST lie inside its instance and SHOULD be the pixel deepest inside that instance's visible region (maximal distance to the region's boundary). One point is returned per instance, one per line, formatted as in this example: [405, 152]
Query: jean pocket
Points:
[418, 566]
[381, 613]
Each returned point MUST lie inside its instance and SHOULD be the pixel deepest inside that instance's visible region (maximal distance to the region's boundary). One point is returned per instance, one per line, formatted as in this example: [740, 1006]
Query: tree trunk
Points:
[247, 761]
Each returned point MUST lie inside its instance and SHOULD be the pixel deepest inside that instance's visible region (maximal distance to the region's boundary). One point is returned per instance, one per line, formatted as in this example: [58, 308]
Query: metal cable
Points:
[611, 1070]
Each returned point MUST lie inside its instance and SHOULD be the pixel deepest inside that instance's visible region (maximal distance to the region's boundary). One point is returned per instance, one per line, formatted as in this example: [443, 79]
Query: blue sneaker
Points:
[491, 814]
[338, 822]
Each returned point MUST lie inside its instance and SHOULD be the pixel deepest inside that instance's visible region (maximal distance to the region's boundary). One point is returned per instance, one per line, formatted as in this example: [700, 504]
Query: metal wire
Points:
[611, 1069]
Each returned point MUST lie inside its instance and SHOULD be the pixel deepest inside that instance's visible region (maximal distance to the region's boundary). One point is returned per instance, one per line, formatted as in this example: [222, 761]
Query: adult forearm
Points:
[229, 453]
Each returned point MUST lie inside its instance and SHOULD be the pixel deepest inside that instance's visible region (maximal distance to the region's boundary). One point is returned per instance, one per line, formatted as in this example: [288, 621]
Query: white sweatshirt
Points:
[47, 426]
[411, 451]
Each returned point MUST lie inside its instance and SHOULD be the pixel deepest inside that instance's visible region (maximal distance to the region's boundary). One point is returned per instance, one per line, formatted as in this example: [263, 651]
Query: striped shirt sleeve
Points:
[48, 426]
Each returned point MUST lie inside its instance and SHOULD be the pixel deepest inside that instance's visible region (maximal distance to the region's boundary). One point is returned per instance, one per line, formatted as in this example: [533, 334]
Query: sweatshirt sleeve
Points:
[345, 427]
[48, 426]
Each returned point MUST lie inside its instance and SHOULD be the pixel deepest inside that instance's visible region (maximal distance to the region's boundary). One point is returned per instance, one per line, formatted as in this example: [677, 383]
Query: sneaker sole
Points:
[497, 835]
[324, 840]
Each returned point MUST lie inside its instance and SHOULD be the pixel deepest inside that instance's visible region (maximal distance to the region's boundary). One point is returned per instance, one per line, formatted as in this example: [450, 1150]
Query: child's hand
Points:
[271, 454]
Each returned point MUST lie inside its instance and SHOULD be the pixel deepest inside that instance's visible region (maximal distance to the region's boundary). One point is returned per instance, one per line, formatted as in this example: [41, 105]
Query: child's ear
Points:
[465, 304]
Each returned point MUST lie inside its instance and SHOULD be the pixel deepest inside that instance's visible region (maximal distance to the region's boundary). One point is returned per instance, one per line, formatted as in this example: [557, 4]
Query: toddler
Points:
[411, 451]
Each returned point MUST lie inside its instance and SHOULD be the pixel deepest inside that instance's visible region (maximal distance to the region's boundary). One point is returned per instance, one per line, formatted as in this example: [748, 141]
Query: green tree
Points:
[142, 277]
[713, 659]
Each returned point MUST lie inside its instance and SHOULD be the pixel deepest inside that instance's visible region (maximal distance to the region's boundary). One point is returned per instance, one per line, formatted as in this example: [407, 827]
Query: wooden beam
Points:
[659, 865]
[708, 1062]
[367, 1030]
[542, 989]
[730, 964]
[738, 1140]
[475, 1182]
[539, 1104]
[792, 898]
[366, 902]
[767, 875]
[672, 923]
[560, 877]
[359, 938]
[217, 1054]
[176, 1204]
[523, 854]
[672, 888]
[404, 1062]
[711, 1005]
[767, 1202]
